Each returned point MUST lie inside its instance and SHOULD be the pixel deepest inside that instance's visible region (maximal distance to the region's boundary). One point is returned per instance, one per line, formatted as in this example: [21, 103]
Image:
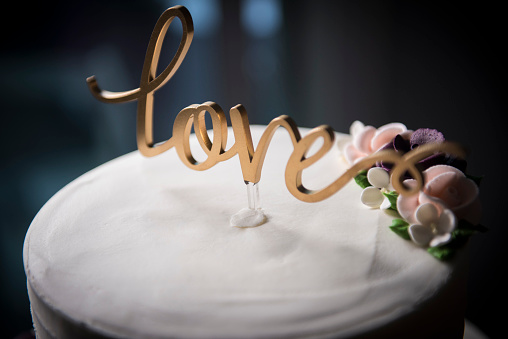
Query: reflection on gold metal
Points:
[251, 160]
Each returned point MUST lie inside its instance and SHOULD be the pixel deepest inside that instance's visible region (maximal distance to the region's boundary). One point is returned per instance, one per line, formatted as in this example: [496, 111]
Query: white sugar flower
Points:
[434, 229]
[373, 196]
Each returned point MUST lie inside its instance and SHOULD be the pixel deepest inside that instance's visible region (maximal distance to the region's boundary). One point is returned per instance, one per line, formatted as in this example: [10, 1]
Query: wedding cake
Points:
[144, 247]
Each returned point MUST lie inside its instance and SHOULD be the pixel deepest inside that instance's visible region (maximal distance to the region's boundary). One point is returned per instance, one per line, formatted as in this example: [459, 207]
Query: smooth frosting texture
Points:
[144, 247]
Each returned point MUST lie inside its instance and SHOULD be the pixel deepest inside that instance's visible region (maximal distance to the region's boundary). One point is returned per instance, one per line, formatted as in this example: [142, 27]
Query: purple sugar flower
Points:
[425, 136]
[407, 141]
[401, 144]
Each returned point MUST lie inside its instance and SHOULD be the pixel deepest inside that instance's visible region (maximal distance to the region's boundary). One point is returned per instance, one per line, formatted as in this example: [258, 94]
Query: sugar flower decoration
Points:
[446, 187]
[409, 140]
[433, 228]
[444, 214]
[367, 139]
[373, 196]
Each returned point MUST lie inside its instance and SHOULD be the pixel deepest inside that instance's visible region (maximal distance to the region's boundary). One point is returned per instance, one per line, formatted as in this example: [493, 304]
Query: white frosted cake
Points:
[143, 248]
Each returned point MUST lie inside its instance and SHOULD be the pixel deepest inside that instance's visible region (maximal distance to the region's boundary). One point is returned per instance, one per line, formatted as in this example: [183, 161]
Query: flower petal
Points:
[440, 240]
[445, 187]
[385, 165]
[424, 198]
[378, 177]
[407, 205]
[425, 136]
[420, 234]
[426, 214]
[455, 190]
[393, 125]
[362, 139]
[352, 154]
[385, 205]
[372, 197]
[385, 134]
[468, 191]
[356, 127]
[446, 222]
[434, 171]
[343, 141]
[401, 144]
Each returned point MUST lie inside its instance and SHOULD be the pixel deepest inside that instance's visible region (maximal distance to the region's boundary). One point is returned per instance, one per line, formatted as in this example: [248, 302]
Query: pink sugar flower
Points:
[446, 188]
[367, 139]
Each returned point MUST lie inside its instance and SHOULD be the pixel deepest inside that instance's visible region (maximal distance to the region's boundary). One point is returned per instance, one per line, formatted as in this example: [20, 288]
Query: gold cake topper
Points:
[251, 160]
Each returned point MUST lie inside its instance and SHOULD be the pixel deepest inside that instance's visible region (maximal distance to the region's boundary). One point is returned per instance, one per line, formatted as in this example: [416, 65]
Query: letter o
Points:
[194, 115]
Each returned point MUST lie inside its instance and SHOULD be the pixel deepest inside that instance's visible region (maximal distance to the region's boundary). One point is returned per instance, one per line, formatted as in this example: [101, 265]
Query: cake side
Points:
[143, 246]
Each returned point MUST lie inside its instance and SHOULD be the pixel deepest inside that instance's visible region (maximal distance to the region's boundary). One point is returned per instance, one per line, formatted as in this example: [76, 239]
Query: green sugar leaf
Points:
[459, 234]
[441, 252]
[361, 179]
[480, 228]
[400, 227]
[392, 198]
[466, 225]
[463, 232]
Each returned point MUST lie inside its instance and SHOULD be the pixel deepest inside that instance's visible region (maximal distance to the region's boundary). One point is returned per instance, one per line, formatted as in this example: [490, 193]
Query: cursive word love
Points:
[251, 160]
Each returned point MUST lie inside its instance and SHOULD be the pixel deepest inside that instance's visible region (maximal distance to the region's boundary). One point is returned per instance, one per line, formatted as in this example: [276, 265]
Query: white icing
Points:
[142, 247]
[247, 217]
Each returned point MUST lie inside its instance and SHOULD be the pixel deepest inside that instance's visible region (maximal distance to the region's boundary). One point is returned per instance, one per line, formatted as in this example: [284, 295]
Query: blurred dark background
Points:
[426, 64]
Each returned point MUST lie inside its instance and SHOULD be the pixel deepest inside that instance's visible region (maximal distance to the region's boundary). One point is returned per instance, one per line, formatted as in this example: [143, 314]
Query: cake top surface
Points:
[144, 245]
